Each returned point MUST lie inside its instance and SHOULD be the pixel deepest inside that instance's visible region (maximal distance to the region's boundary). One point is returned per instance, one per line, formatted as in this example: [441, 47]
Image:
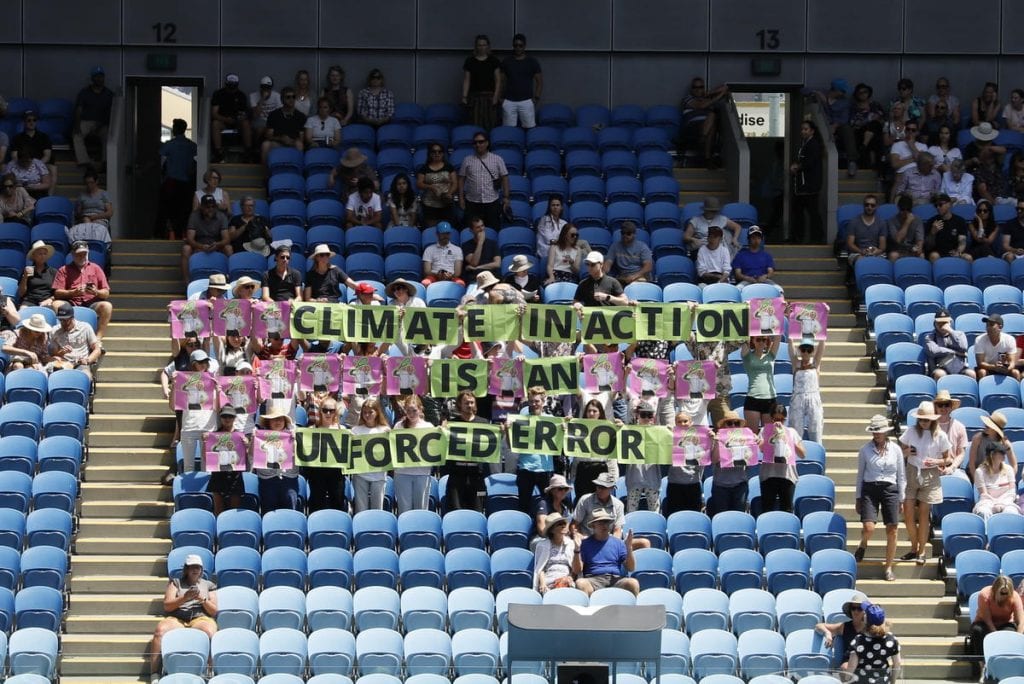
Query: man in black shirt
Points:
[92, 115]
[1013, 235]
[598, 289]
[946, 233]
[230, 110]
[284, 126]
[37, 141]
[282, 283]
[522, 83]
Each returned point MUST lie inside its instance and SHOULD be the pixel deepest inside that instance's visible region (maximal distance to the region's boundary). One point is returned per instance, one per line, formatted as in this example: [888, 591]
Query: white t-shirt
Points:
[363, 210]
[984, 350]
[263, 106]
[324, 129]
[944, 157]
[925, 447]
[442, 258]
[714, 260]
[902, 150]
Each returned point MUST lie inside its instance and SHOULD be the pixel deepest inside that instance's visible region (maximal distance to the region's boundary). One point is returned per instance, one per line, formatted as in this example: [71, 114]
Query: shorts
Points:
[927, 489]
[880, 495]
[196, 621]
[226, 483]
[603, 581]
[759, 405]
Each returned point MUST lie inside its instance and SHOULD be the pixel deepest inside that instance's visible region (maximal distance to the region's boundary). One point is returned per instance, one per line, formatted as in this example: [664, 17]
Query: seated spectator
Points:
[83, 283]
[38, 142]
[92, 116]
[943, 147]
[1015, 175]
[846, 629]
[31, 174]
[403, 294]
[602, 498]
[350, 170]
[946, 349]
[403, 204]
[282, 283]
[556, 498]
[920, 181]
[437, 180]
[16, 205]
[931, 130]
[999, 608]
[363, 207]
[29, 345]
[229, 111]
[322, 129]
[995, 481]
[248, 231]
[285, 126]
[246, 288]
[520, 277]
[602, 557]
[92, 212]
[73, 344]
[990, 433]
[986, 108]
[865, 234]
[957, 183]
[866, 117]
[376, 104]
[598, 289]
[325, 280]
[553, 556]
[696, 233]
[190, 601]
[904, 231]
[211, 186]
[944, 94]
[985, 160]
[1013, 112]
[207, 231]
[700, 116]
[629, 260]
[442, 260]
[912, 104]
[36, 285]
[753, 264]
[338, 95]
[714, 262]
[995, 351]
[550, 225]
[263, 103]
[1013, 235]
[565, 256]
[904, 151]
[946, 232]
[481, 253]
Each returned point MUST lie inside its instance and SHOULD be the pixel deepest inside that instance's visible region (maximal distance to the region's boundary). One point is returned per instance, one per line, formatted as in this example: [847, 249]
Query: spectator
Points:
[807, 178]
[836, 108]
[481, 78]
[995, 481]
[758, 357]
[945, 404]
[920, 181]
[629, 260]
[865, 234]
[985, 160]
[28, 345]
[931, 129]
[957, 183]
[36, 285]
[533, 471]
[905, 232]
[554, 555]
[778, 479]
[403, 294]
[92, 116]
[602, 557]
[927, 449]
[83, 283]
[338, 96]
[1015, 176]
[94, 205]
[322, 129]
[465, 478]
[999, 608]
[714, 263]
[285, 126]
[350, 170]
[1013, 112]
[598, 289]
[643, 481]
[369, 487]
[991, 433]
[565, 256]
[995, 351]
[753, 264]
[248, 231]
[903, 153]
[278, 487]
[847, 629]
[303, 97]
[325, 280]
[806, 399]
[9, 317]
[700, 114]
[698, 228]
[947, 233]
[189, 601]
[263, 103]
[522, 83]
[211, 186]
[943, 147]
[881, 486]
[481, 252]
[602, 499]
[39, 143]
[550, 225]
[914, 106]
[365, 294]
[326, 485]
[946, 349]
[437, 180]
[31, 174]
[225, 483]
[363, 207]
[875, 653]
[943, 94]
[480, 177]
[986, 107]
[683, 488]
[376, 103]
[229, 111]
[556, 499]
[282, 283]
[412, 485]
[1013, 235]
[195, 420]
[729, 485]
[403, 204]
[178, 162]
[74, 344]
[866, 116]
[16, 205]
[207, 231]
[442, 260]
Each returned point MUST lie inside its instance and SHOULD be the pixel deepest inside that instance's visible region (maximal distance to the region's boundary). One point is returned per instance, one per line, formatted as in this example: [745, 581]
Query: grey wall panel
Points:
[47, 71]
[736, 25]
[11, 74]
[545, 24]
[649, 80]
[1013, 28]
[952, 28]
[268, 23]
[966, 76]
[879, 72]
[378, 24]
[10, 27]
[97, 22]
[192, 63]
[860, 27]
[451, 24]
[182, 22]
[736, 69]
[577, 79]
[1007, 75]
[399, 70]
[647, 25]
[438, 77]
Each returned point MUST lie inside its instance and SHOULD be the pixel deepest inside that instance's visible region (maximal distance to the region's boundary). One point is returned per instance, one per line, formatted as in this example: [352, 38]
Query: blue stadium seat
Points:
[963, 299]
[329, 528]
[284, 527]
[55, 209]
[777, 530]
[287, 212]
[283, 651]
[10, 571]
[431, 132]
[833, 569]
[688, 530]
[470, 608]
[948, 271]
[318, 160]
[475, 651]
[695, 569]
[375, 567]
[44, 566]
[502, 493]
[653, 568]
[681, 292]
[786, 569]
[675, 268]
[18, 453]
[424, 608]
[283, 566]
[286, 186]
[376, 608]
[721, 293]
[467, 567]
[329, 607]
[33, 651]
[613, 163]
[39, 606]
[806, 653]
[239, 527]
[509, 529]
[1004, 655]
[922, 299]
[12, 529]
[427, 651]
[1005, 533]
[740, 568]
[200, 265]
[903, 358]
[445, 294]
[797, 609]
[998, 392]
[505, 597]
[237, 566]
[55, 489]
[237, 607]
[235, 651]
[615, 138]
[909, 271]
[379, 651]
[761, 651]
[282, 606]
[911, 390]
[957, 495]
[823, 530]
[559, 293]
[18, 237]
[421, 567]
[882, 298]
[655, 163]
[374, 528]
[960, 387]
[714, 652]
[193, 527]
[733, 530]
[989, 271]
[643, 292]
[813, 493]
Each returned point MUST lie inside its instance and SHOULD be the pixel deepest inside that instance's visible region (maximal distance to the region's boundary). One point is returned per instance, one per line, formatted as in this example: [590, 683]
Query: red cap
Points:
[365, 288]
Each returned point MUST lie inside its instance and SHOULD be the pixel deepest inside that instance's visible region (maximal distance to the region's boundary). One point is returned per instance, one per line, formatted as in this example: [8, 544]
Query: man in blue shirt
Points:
[753, 264]
[601, 557]
[178, 160]
[629, 260]
[533, 470]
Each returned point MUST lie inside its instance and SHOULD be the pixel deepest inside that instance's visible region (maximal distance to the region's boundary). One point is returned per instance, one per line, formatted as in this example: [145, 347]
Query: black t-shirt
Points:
[587, 288]
[947, 239]
[481, 73]
[39, 143]
[282, 289]
[207, 230]
[231, 102]
[327, 285]
[1016, 232]
[487, 254]
[39, 285]
[284, 124]
[519, 75]
[257, 228]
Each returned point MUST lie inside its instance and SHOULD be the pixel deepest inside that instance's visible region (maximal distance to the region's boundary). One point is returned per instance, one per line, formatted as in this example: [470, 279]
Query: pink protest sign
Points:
[319, 373]
[737, 447]
[696, 379]
[273, 450]
[506, 378]
[362, 375]
[603, 372]
[225, 452]
[404, 375]
[271, 319]
[767, 315]
[777, 444]
[691, 446]
[189, 318]
[277, 378]
[240, 392]
[648, 377]
[808, 321]
[194, 391]
[232, 316]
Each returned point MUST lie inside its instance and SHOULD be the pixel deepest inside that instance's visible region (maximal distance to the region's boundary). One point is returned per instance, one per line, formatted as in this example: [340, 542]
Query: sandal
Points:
[909, 556]
[858, 555]
[889, 576]
[922, 559]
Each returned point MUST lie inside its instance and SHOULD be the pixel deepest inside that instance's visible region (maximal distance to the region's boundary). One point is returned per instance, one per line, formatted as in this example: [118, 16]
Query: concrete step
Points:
[722, 193]
[236, 171]
[880, 589]
[157, 314]
[110, 545]
[933, 668]
[135, 401]
[124, 391]
[113, 457]
[147, 247]
[876, 396]
[850, 410]
[118, 604]
[802, 292]
[831, 378]
[806, 276]
[154, 360]
[165, 270]
[103, 667]
[921, 607]
[90, 627]
[101, 584]
[844, 442]
[136, 473]
[119, 644]
[119, 508]
[147, 343]
[140, 301]
[116, 566]
[170, 288]
[132, 423]
[128, 439]
[140, 492]
[139, 330]
[928, 647]
[788, 264]
[143, 528]
[903, 571]
[111, 374]
[848, 364]
[921, 626]
[123, 679]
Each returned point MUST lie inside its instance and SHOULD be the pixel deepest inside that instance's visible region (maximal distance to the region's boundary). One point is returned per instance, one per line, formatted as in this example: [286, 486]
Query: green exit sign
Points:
[765, 66]
[161, 61]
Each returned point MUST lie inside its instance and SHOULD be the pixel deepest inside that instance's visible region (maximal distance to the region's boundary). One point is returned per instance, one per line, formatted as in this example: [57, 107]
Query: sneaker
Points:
[858, 555]
[851, 169]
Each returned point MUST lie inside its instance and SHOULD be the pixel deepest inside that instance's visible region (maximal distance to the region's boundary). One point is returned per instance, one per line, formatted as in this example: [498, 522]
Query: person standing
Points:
[927, 449]
[481, 76]
[480, 177]
[881, 485]
[806, 170]
[521, 85]
[92, 116]
[178, 161]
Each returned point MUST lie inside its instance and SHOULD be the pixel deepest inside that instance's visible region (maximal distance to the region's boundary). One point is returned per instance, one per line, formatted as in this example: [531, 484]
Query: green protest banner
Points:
[593, 439]
[430, 325]
[608, 324]
[418, 447]
[322, 448]
[448, 377]
[315, 321]
[723, 322]
[549, 323]
[559, 375]
[663, 321]
[474, 442]
[491, 323]
[362, 323]
[535, 435]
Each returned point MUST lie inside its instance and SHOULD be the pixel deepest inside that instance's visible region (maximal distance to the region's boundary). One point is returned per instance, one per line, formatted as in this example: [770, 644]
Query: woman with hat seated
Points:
[927, 449]
[28, 346]
[991, 433]
[350, 170]
[553, 557]
[881, 484]
[849, 628]
[520, 277]
[249, 231]
[325, 280]
[189, 601]
[35, 287]
[995, 481]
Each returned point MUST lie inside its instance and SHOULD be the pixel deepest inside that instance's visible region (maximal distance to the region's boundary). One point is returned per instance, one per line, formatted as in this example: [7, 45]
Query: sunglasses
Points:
[732, 423]
[286, 258]
[943, 404]
[328, 410]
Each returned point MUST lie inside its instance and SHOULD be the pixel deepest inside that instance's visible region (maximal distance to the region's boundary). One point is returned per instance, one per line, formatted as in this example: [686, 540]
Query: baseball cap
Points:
[873, 613]
[97, 71]
[754, 230]
[645, 407]
[231, 78]
[80, 246]
[193, 559]
[243, 366]
[365, 288]
[993, 318]
[443, 227]
[227, 411]
[198, 355]
[942, 315]
[266, 81]
[209, 199]
[65, 311]
[595, 257]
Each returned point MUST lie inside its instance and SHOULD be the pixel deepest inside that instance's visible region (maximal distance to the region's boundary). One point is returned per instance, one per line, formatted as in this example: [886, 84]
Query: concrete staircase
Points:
[695, 184]
[118, 571]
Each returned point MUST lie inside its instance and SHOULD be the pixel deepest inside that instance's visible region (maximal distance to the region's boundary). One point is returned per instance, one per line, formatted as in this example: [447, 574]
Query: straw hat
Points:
[486, 280]
[37, 323]
[257, 246]
[352, 158]
[924, 411]
[731, 415]
[217, 282]
[856, 600]
[984, 132]
[39, 244]
[322, 249]
[997, 422]
[520, 263]
[397, 283]
[879, 423]
[553, 520]
[242, 282]
[275, 413]
[944, 395]
[556, 482]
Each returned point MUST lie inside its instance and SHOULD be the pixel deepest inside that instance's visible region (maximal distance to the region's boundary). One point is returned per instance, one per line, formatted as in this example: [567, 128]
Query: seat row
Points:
[943, 272]
[1002, 534]
[920, 299]
[518, 678]
[975, 569]
[891, 328]
[32, 654]
[910, 390]
[36, 387]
